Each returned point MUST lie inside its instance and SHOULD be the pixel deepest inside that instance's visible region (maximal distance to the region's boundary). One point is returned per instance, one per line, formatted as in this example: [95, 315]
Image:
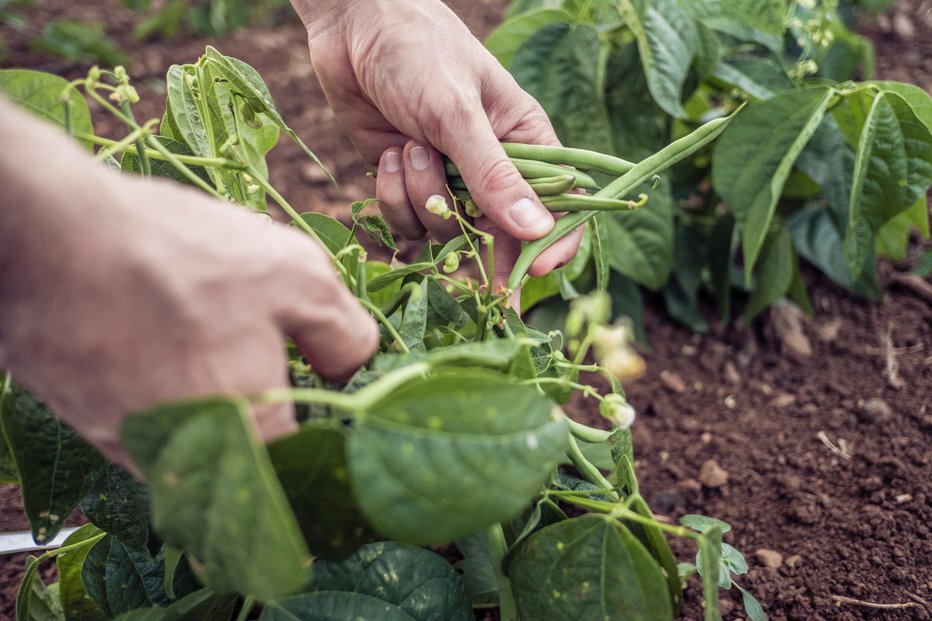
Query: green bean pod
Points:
[577, 158]
[535, 170]
[552, 186]
[625, 184]
[584, 202]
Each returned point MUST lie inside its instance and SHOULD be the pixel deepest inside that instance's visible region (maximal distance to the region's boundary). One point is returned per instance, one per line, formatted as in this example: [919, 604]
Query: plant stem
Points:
[182, 168]
[587, 470]
[248, 604]
[589, 434]
[189, 160]
[495, 537]
[140, 146]
[382, 319]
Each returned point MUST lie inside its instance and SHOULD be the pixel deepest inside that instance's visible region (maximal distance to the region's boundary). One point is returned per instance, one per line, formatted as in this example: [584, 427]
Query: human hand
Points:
[119, 293]
[408, 82]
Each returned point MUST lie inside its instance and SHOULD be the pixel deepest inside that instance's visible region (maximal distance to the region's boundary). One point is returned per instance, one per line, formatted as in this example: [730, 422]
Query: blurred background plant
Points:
[168, 18]
[11, 18]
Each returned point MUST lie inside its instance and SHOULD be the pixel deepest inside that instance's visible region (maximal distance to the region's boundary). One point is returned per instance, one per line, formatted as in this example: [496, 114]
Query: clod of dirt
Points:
[673, 381]
[771, 559]
[875, 410]
[786, 322]
[783, 400]
[903, 26]
[731, 374]
[828, 331]
[712, 475]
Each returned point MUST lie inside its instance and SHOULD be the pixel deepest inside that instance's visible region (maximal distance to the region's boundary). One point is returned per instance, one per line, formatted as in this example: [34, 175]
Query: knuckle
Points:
[499, 175]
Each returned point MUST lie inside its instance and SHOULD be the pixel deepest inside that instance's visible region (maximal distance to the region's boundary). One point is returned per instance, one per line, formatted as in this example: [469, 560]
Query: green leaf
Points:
[918, 100]
[311, 466]
[708, 562]
[204, 465]
[733, 560]
[329, 606]
[639, 243]
[768, 16]
[477, 570]
[655, 542]
[893, 169]
[56, 467]
[119, 505]
[377, 284]
[704, 523]
[204, 605]
[563, 66]
[414, 321]
[639, 126]
[758, 76]
[8, 472]
[333, 233]
[452, 453]
[668, 41]
[505, 40]
[418, 582]
[600, 253]
[120, 579]
[41, 94]
[442, 308]
[79, 42]
[751, 606]
[376, 228]
[775, 273]
[34, 600]
[74, 599]
[588, 568]
[183, 113]
[755, 155]
[249, 84]
[892, 240]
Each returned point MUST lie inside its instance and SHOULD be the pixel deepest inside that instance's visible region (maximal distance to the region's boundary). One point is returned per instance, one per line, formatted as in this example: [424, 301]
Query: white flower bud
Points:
[615, 408]
[437, 205]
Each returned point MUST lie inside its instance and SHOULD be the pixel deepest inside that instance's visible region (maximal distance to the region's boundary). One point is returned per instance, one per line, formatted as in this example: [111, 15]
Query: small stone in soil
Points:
[875, 410]
[783, 400]
[771, 559]
[712, 475]
[731, 374]
[673, 381]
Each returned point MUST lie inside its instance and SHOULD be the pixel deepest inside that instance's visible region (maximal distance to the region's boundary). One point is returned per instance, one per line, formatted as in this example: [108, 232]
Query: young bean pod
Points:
[577, 158]
[530, 169]
[584, 202]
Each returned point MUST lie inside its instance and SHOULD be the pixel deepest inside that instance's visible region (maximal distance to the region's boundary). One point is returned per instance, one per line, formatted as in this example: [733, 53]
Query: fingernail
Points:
[530, 216]
[420, 158]
[392, 161]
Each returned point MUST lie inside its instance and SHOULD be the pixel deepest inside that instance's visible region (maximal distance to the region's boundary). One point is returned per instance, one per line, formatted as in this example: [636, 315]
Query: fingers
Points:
[497, 187]
[326, 322]
[559, 254]
[425, 177]
[393, 196]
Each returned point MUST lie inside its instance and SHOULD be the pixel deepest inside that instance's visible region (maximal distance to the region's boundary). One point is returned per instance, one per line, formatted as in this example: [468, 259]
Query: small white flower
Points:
[437, 205]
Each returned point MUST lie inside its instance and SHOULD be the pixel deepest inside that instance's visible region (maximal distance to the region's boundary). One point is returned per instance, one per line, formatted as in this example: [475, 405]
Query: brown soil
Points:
[826, 455]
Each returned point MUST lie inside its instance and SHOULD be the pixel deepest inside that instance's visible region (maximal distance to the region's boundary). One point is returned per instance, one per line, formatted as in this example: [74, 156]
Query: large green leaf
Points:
[639, 126]
[917, 99]
[119, 579]
[204, 467]
[893, 237]
[775, 275]
[329, 606]
[418, 582]
[452, 453]
[34, 600]
[331, 232]
[76, 603]
[119, 505]
[182, 114]
[668, 40]
[505, 40]
[893, 169]
[56, 467]
[563, 66]
[765, 15]
[755, 155]
[41, 93]
[311, 466]
[588, 568]
[639, 243]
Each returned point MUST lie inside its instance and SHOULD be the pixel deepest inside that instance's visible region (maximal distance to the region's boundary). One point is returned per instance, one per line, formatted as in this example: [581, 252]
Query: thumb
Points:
[493, 181]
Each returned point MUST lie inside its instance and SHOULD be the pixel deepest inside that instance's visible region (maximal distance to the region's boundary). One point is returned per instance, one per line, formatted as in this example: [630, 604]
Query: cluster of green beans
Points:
[559, 176]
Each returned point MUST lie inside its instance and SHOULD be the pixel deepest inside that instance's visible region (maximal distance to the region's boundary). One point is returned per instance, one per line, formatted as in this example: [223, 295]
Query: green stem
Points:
[74, 546]
[188, 160]
[140, 146]
[133, 137]
[188, 174]
[248, 604]
[498, 547]
[587, 470]
[383, 319]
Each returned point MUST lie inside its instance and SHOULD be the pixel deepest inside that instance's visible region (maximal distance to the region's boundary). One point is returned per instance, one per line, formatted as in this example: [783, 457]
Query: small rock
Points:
[706, 437]
[771, 559]
[726, 606]
[875, 410]
[904, 27]
[713, 475]
[829, 331]
[731, 374]
[783, 400]
[691, 485]
[788, 327]
[793, 561]
[901, 498]
[673, 381]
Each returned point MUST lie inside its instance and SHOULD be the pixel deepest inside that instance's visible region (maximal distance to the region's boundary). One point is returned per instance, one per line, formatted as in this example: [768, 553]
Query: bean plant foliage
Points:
[821, 166]
[453, 433]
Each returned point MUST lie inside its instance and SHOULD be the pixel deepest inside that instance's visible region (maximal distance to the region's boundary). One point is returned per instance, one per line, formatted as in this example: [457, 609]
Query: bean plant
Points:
[825, 165]
[453, 435]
